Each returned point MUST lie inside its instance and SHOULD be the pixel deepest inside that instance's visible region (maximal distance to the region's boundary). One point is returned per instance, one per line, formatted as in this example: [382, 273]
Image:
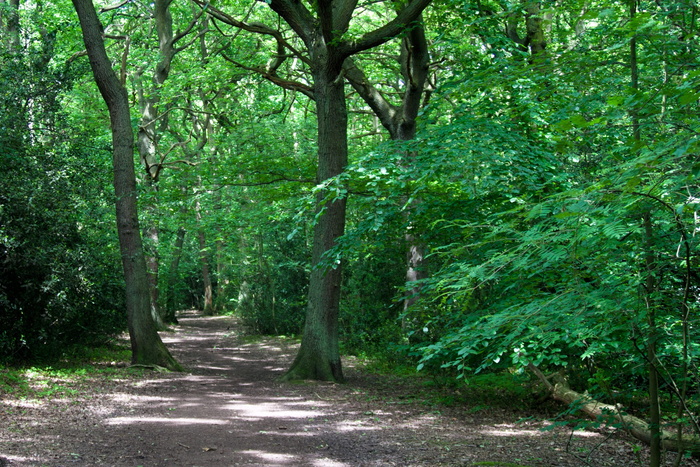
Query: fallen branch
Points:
[635, 426]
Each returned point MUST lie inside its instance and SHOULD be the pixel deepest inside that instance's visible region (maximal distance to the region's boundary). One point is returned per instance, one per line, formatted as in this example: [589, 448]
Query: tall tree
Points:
[328, 46]
[325, 31]
[146, 345]
[154, 122]
[400, 122]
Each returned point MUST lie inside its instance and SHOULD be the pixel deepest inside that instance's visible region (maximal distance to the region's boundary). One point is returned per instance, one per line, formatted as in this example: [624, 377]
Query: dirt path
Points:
[229, 410]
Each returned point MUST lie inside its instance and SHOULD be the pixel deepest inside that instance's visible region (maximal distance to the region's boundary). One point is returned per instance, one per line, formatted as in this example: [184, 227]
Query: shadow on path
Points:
[228, 409]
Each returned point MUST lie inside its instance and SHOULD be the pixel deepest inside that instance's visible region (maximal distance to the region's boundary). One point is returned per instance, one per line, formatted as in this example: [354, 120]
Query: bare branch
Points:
[189, 28]
[113, 6]
[254, 27]
[403, 21]
[272, 77]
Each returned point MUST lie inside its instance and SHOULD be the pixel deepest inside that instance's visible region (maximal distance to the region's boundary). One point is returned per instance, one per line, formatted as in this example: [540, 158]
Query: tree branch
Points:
[371, 95]
[272, 77]
[402, 22]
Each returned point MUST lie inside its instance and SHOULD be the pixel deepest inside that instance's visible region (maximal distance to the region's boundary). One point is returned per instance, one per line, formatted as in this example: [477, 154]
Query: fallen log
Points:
[635, 426]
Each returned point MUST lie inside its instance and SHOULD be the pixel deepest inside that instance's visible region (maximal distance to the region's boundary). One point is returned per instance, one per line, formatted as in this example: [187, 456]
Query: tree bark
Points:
[535, 38]
[208, 295]
[146, 345]
[322, 32]
[319, 355]
[635, 426]
[147, 141]
[173, 275]
[400, 123]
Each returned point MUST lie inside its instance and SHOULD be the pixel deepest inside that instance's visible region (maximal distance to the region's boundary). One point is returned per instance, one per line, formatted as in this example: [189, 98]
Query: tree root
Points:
[635, 426]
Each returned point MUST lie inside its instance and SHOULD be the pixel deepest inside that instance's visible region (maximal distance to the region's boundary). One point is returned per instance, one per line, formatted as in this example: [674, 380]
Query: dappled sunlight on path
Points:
[228, 409]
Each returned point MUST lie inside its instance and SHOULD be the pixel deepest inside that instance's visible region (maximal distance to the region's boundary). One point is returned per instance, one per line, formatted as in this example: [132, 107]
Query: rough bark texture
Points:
[319, 355]
[152, 265]
[146, 345]
[637, 427]
[535, 39]
[322, 33]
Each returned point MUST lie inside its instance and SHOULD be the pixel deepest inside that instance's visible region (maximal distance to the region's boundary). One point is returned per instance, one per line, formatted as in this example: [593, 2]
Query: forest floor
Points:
[228, 409]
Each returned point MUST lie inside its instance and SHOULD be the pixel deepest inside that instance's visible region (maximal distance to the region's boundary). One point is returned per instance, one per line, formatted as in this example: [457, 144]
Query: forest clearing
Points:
[228, 410]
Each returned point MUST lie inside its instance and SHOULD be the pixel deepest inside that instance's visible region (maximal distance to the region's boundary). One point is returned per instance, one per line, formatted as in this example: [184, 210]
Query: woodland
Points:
[472, 187]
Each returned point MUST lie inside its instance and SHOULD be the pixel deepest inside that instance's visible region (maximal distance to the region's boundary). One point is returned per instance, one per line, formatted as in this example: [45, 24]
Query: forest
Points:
[473, 187]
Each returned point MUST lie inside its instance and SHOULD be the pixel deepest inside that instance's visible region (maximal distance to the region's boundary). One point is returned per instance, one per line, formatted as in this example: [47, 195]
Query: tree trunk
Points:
[173, 276]
[535, 38]
[147, 141]
[319, 355]
[152, 267]
[400, 122]
[322, 33]
[208, 306]
[635, 426]
[146, 345]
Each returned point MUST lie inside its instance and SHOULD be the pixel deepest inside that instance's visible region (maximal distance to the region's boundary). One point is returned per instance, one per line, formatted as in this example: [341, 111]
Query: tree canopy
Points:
[532, 165]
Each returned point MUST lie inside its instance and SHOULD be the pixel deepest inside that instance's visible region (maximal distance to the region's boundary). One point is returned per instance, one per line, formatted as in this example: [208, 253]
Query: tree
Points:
[328, 41]
[400, 122]
[154, 121]
[576, 212]
[328, 47]
[60, 288]
[146, 345]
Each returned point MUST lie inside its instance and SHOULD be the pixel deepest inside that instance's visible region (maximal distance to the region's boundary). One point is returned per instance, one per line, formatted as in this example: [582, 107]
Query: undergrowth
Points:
[502, 390]
[59, 377]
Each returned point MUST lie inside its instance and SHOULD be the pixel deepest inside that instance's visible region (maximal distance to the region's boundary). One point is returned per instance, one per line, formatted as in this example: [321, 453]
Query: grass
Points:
[62, 377]
[480, 392]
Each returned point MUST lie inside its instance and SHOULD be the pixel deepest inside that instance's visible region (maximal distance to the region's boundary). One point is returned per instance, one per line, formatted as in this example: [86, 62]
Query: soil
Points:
[229, 409]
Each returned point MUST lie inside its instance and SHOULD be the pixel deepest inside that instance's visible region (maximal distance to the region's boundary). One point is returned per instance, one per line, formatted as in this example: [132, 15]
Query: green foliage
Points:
[369, 318]
[527, 186]
[58, 281]
[544, 255]
[62, 374]
[271, 296]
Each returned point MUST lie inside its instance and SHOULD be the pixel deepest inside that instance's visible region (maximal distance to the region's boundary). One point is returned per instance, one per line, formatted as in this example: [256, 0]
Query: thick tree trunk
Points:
[152, 265]
[322, 33]
[146, 143]
[319, 355]
[535, 38]
[147, 347]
